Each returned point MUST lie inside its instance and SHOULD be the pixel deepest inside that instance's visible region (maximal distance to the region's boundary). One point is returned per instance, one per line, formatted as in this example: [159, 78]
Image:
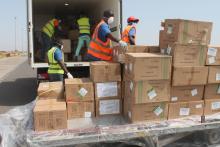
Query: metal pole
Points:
[15, 35]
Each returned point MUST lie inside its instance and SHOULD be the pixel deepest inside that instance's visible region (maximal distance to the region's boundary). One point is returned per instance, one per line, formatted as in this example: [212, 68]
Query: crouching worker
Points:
[57, 67]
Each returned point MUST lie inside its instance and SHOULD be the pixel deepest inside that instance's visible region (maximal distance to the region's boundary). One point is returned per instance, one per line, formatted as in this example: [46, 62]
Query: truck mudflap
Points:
[16, 129]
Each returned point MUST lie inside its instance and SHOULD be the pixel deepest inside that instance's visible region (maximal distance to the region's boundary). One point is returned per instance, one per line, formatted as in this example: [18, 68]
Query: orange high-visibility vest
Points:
[125, 34]
[98, 48]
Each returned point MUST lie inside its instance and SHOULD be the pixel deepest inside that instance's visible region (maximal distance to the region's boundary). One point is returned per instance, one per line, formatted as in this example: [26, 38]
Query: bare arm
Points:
[62, 65]
[131, 39]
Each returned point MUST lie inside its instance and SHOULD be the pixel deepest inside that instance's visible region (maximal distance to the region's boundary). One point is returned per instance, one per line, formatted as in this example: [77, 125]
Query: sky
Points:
[150, 12]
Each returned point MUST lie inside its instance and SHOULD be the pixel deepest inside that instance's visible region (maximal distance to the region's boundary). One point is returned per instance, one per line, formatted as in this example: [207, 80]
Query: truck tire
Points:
[213, 136]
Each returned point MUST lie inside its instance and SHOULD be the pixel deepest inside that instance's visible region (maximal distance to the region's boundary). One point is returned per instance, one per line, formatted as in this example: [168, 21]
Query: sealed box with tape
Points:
[213, 56]
[79, 89]
[187, 93]
[185, 109]
[214, 75]
[212, 91]
[212, 106]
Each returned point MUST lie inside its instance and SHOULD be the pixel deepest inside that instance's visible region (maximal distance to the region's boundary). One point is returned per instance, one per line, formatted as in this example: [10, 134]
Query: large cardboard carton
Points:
[186, 31]
[213, 56]
[80, 109]
[107, 90]
[212, 106]
[147, 66]
[148, 91]
[119, 52]
[214, 74]
[79, 89]
[43, 102]
[50, 117]
[188, 55]
[48, 90]
[154, 49]
[147, 112]
[186, 93]
[184, 109]
[108, 107]
[212, 91]
[185, 76]
[66, 45]
[102, 71]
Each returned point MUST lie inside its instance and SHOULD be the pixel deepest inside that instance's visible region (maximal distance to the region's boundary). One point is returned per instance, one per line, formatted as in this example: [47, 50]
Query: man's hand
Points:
[122, 43]
[69, 76]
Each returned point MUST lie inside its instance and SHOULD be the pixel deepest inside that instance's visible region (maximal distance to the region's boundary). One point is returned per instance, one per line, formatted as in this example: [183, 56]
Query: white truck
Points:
[39, 12]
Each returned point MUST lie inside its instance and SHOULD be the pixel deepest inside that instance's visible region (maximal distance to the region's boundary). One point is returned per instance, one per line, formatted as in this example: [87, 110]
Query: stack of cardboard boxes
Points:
[50, 109]
[107, 84]
[147, 86]
[187, 42]
[80, 98]
[212, 89]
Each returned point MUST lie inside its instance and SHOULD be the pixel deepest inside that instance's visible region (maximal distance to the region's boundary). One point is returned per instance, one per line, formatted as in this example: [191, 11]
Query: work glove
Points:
[69, 76]
[122, 43]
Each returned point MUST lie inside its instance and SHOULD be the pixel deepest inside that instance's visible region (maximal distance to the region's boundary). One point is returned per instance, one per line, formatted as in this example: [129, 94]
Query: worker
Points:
[84, 32]
[48, 32]
[100, 45]
[57, 67]
[129, 34]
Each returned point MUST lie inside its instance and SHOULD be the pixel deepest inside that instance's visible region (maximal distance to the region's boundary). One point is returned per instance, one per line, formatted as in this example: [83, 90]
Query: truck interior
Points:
[69, 11]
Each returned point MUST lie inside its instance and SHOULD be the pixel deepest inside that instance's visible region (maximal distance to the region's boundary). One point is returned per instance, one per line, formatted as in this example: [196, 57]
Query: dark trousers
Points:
[46, 45]
[55, 77]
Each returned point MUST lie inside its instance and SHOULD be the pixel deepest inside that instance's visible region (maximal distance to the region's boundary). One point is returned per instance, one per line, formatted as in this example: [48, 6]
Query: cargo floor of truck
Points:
[116, 129]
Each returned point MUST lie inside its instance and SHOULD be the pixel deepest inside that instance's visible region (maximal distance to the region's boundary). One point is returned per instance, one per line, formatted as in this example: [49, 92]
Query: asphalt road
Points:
[18, 86]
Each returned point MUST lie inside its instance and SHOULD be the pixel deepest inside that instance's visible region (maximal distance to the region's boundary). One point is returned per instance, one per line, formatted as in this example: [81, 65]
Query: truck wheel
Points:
[213, 136]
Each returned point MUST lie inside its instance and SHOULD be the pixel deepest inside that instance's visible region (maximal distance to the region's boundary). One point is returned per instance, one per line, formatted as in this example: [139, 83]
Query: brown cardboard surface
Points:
[154, 49]
[108, 90]
[108, 107]
[66, 45]
[147, 66]
[214, 74]
[79, 89]
[189, 55]
[43, 102]
[186, 93]
[148, 91]
[213, 55]
[50, 117]
[119, 52]
[147, 112]
[212, 106]
[49, 90]
[185, 76]
[80, 109]
[212, 91]
[186, 31]
[102, 71]
[184, 109]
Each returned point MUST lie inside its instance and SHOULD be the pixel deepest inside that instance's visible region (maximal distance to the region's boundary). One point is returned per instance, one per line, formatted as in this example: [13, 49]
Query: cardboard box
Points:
[108, 90]
[48, 90]
[214, 74]
[186, 93]
[188, 55]
[212, 91]
[148, 112]
[185, 76]
[184, 109]
[186, 31]
[102, 71]
[119, 52]
[154, 49]
[66, 45]
[108, 107]
[213, 56]
[148, 91]
[80, 109]
[50, 117]
[43, 102]
[73, 35]
[79, 90]
[147, 66]
[212, 106]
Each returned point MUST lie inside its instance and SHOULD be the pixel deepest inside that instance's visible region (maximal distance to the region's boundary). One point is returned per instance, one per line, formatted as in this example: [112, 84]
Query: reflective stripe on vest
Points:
[125, 34]
[98, 48]
[49, 28]
[84, 26]
[54, 67]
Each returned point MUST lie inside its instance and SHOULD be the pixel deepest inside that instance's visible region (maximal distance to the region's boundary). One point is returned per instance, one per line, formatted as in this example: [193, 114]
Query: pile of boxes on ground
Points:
[142, 84]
